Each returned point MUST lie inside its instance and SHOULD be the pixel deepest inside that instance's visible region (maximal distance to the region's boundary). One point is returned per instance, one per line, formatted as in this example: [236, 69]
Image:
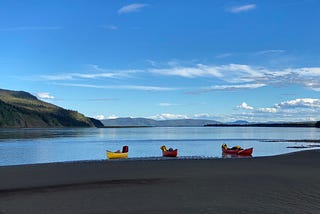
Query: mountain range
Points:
[144, 122]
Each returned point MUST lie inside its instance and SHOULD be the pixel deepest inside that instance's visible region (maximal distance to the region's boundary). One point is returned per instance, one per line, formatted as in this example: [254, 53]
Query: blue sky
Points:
[220, 60]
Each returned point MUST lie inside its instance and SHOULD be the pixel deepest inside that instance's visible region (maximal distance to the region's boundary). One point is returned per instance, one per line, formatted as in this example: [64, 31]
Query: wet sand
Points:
[280, 184]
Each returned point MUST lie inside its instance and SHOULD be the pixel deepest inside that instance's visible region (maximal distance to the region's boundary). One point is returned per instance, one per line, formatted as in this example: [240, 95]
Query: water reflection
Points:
[36, 133]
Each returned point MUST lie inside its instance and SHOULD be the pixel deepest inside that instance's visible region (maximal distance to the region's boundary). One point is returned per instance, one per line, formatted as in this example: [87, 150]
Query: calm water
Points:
[25, 146]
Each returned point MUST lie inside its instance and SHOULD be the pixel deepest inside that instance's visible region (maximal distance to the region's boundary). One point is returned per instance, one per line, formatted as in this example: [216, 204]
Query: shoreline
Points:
[161, 158]
[272, 184]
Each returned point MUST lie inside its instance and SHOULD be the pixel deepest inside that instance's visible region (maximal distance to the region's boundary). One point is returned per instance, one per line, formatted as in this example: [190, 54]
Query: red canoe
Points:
[238, 151]
[168, 153]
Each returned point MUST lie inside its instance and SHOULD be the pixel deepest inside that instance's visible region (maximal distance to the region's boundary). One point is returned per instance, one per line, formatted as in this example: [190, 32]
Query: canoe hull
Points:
[243, 152]
[117, 155]
[167, 153]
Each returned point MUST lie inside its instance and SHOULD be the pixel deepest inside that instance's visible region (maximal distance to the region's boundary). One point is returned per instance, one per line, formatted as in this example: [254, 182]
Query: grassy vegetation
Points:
[19, 109]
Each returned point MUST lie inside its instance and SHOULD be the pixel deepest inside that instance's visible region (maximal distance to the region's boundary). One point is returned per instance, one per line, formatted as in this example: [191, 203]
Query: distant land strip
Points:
[311, 125]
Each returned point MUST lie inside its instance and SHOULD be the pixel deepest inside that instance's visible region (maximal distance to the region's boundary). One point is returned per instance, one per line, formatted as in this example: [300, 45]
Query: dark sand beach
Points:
[280, 184]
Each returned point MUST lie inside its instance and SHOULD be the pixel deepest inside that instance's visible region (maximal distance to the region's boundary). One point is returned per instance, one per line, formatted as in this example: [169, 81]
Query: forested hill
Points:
[19, 109]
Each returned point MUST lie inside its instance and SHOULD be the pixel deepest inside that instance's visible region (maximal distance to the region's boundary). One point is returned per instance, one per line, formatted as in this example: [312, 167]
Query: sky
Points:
[223, 60]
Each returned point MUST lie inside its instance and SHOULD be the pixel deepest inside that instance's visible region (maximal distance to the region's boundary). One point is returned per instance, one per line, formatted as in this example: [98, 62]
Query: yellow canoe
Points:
[116, 155]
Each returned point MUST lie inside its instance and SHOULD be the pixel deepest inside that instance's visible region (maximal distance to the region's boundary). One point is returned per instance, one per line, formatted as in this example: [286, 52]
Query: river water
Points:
[29, 146]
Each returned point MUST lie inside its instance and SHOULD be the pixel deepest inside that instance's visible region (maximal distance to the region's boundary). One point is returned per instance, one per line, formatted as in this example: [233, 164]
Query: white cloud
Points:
[203, 116]
[242, 8]
[267, 110]
[113, 117]
[168, 116]
[44, 95]
[299, 103]
[100, 117]
[296, 108]
[245, 106]
[131, 8]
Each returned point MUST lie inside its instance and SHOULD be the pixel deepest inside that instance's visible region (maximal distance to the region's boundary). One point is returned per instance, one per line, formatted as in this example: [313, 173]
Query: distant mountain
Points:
[19, 109]
[136, 122]
[240, 122]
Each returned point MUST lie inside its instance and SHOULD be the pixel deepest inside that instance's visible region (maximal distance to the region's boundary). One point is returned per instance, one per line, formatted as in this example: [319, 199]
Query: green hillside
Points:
[19, 109]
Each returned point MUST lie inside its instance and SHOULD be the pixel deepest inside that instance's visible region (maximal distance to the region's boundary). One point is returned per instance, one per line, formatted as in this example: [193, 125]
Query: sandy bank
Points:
[280, 184]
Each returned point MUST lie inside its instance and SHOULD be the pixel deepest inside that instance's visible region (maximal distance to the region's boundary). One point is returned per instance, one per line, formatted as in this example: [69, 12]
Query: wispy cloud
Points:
[119, 87]
[109, 27]
[270, 52]
[167, 104]
[189, 72]
[231, 76]
[103, 74]
[131, 8]
[242, 8]
[246, 76]
[73, 76]
[226, 88]
[27, 28]
[224, 55]
[230, 73]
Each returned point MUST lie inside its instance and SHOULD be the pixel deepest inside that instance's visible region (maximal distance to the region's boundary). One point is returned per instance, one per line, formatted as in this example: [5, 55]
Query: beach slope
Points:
[280, 184]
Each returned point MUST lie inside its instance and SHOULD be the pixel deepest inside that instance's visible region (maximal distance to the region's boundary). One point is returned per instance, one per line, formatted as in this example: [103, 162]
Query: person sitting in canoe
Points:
[224, 146]
[125, 149]
[164, 148]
